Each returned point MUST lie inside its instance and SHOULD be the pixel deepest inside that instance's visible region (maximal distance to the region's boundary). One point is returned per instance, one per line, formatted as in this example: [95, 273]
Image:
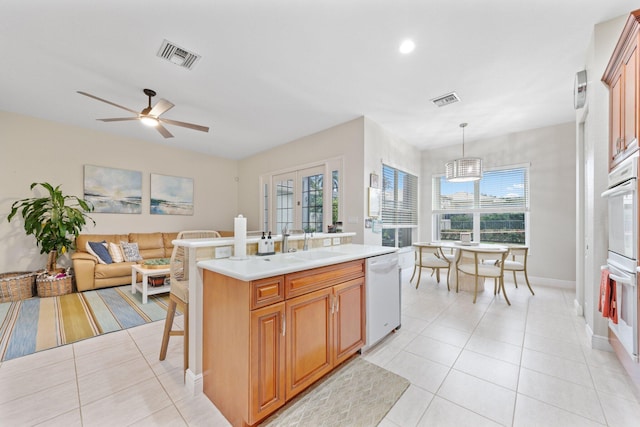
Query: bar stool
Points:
[179, 294]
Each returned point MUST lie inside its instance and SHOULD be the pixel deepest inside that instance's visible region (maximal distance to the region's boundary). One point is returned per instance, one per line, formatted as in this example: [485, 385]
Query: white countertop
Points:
[229, 241]
[258, 267]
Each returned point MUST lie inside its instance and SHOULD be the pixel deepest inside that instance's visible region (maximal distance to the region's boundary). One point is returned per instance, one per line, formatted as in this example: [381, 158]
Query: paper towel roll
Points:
[240, 237]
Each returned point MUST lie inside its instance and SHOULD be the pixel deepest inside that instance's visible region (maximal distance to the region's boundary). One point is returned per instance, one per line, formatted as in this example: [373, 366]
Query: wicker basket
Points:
[52, 287]
[17, 286]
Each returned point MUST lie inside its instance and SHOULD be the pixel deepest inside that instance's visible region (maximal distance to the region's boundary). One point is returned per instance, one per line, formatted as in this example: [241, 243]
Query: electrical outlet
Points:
[336, 240]
[223, 252]
[326, 242]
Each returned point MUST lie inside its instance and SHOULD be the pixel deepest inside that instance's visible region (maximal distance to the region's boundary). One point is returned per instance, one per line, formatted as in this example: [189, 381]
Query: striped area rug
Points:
[37, 324]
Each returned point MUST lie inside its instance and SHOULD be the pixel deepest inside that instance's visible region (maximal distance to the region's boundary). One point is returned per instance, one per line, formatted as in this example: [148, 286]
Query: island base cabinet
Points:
[267, 361]
[349, 319]
[309, 337]
[326, 327]
[256, 358]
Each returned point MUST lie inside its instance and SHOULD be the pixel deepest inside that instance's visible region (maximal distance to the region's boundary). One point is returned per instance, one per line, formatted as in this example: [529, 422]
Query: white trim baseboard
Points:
[553, 283]
[598, 342]
[577, 307]
[193, 383]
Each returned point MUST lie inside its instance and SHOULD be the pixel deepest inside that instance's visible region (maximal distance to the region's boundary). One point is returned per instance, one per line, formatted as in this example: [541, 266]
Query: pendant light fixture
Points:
[464, 169]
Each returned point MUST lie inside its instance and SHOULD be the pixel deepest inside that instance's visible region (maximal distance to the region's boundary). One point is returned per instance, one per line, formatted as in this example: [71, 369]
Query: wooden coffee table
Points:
[144, 287]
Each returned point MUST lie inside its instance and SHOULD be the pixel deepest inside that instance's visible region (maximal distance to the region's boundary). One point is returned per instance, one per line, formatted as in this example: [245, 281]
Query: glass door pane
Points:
[284, 201]
[312, 198]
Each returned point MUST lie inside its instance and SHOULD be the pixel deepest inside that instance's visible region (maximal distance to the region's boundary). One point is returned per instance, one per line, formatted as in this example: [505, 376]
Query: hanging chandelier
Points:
[465, 168]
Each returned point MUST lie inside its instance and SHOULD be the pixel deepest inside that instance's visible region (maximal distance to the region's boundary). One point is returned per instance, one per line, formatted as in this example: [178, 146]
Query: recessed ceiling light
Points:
[407, 46]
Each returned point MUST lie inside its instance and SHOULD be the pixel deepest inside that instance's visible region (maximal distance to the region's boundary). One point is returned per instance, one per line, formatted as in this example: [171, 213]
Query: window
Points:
[399, 207]
[494, 209]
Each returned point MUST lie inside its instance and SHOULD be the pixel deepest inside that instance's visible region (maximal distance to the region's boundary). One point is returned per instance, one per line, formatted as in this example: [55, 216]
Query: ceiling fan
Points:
[150, 116]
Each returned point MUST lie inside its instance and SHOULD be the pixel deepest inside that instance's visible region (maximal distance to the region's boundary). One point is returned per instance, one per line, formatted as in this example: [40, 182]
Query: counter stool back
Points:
[179, 294]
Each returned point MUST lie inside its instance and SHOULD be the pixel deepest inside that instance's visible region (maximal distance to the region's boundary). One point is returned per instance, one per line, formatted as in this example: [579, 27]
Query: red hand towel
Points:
[605, 290]
[613, 303]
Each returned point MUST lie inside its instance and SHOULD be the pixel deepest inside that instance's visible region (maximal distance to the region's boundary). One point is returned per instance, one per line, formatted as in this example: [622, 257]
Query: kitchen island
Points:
[274, 325]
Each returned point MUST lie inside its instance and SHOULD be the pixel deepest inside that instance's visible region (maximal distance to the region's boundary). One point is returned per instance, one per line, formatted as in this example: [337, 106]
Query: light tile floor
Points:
[483, 364]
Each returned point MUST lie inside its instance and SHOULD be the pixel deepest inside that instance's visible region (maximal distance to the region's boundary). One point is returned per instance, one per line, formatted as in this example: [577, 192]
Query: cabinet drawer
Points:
[302, 282]
[267, 291]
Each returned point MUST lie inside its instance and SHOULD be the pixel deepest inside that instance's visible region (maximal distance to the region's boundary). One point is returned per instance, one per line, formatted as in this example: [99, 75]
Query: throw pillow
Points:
[116, 252]
[99, 250]
[130, 252]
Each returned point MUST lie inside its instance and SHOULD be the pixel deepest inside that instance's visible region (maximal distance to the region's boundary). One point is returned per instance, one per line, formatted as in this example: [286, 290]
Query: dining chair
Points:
[179, 294]
[518, 262]
[476, 262]
[430, 256]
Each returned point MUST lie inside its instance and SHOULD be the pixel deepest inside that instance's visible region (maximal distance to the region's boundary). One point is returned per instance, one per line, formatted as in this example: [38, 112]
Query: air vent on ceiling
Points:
[177, 55]
[449, 98]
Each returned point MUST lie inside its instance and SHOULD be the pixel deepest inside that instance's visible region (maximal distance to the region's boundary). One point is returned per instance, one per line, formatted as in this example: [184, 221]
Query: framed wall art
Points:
[375, 202]
[113, 190]
[171, 195]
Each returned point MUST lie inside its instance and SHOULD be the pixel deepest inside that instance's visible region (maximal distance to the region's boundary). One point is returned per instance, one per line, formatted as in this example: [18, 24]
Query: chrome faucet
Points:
[285, 240]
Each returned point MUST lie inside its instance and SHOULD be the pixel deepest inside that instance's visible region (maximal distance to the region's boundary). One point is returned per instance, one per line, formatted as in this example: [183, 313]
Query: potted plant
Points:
[54, 220]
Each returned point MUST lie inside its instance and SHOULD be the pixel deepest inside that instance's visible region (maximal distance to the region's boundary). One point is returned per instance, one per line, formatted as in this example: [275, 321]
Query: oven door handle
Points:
[620, 279]
[620, 189]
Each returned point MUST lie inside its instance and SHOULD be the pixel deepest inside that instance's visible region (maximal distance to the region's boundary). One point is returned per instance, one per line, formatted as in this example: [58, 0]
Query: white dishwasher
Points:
[382, 297]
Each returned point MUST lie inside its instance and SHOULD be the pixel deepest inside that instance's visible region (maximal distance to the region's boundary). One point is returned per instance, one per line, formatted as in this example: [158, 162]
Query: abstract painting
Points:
[113, 190]
[171, 195]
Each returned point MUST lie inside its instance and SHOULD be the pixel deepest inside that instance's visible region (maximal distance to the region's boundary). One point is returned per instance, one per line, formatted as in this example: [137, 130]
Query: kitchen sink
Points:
[315, 255]
[283, 259]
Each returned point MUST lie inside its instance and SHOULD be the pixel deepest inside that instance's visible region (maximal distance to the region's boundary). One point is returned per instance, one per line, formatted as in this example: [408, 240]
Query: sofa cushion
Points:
[82, 239]
[150, 245]
[130, 251]
[168, 239]
[116, 252]
[118, 269]
[100, 251]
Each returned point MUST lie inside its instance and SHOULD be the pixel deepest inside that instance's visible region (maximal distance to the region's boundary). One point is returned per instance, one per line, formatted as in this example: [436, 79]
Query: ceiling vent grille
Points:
[449, 98]
[177, 55]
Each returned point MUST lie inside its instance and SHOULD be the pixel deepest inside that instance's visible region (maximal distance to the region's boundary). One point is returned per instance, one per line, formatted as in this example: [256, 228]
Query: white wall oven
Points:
[622, 256]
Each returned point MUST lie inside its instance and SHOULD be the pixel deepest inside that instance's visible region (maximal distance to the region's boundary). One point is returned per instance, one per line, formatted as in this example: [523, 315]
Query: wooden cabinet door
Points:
[630, 97]
[349, 319]
[615, 112]
[267, 391]
[309, 338]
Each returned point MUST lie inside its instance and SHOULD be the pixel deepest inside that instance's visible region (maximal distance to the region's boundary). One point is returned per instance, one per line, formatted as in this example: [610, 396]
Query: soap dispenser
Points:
[262, 245]
[270, 245]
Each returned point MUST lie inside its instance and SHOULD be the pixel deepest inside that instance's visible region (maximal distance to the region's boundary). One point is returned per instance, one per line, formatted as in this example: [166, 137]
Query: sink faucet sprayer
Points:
[306, 237]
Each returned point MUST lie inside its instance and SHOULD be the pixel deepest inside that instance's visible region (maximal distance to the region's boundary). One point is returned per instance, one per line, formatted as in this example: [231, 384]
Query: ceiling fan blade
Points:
[161, 107]
[108, 102]
[163, 131]
[186, 125]
[118, 119]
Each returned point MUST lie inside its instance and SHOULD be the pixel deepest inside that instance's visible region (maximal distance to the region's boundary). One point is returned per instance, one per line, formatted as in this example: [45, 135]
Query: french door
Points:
[298, 200]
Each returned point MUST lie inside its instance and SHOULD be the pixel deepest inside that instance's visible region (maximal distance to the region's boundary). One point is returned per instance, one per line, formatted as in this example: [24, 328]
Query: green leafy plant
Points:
[54, 220]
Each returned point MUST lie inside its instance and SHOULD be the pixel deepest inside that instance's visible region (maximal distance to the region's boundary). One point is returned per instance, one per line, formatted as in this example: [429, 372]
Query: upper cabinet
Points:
[621, 75]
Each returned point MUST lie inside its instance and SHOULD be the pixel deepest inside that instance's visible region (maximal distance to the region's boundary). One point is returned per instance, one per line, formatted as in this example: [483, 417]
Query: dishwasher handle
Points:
[383, 266]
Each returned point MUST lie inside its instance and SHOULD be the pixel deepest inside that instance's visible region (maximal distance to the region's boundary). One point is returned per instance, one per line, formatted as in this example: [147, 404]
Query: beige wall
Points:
[34, 150]
[381, 146]
[345, 140]
[550, 151]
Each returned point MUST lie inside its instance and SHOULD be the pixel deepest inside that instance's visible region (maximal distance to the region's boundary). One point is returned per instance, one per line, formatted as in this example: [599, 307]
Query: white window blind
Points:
[399, 198]
[503, 190]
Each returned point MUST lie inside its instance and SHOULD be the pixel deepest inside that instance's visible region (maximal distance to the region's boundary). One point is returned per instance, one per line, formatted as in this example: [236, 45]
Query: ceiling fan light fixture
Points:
[464, 169]
[149, 121]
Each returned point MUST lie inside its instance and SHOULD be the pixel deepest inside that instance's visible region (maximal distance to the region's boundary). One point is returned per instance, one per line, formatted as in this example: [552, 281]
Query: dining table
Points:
[466, 282]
